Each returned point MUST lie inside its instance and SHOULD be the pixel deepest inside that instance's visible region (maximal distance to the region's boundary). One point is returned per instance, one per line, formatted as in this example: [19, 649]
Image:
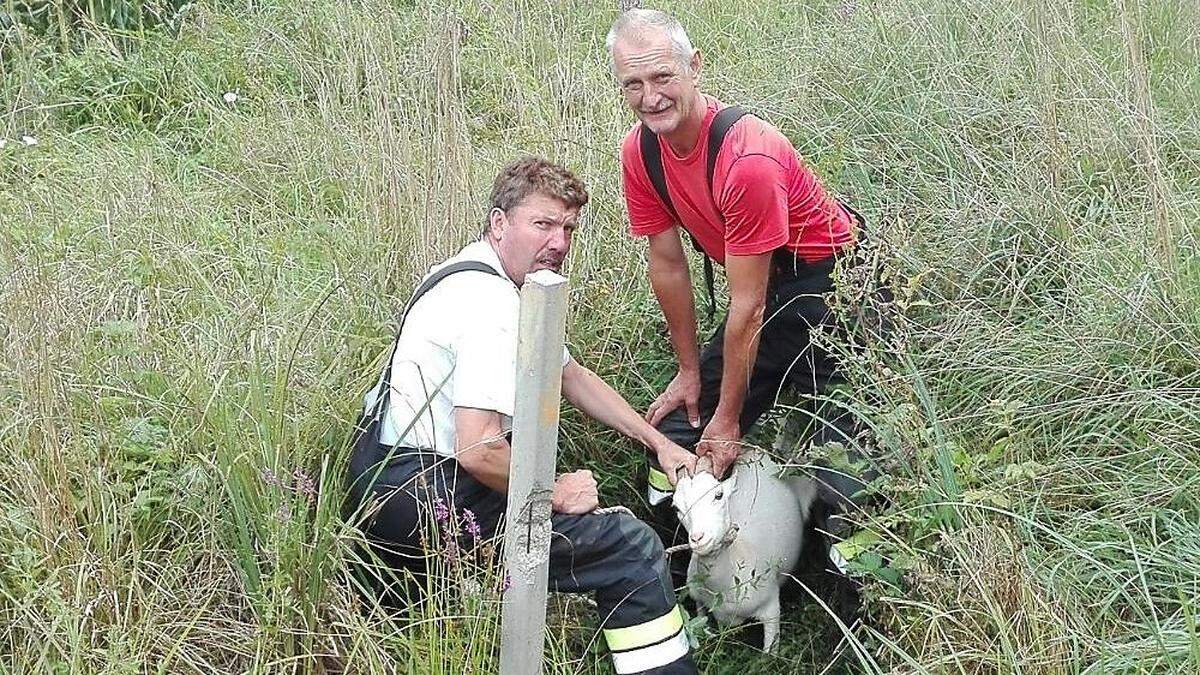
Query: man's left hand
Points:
[721, 442]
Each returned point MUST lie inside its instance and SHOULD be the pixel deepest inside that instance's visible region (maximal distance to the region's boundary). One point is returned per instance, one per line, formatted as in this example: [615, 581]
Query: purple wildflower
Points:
[473, 528]
[507, 583]
[440, 511]
[451, 551]
[304, 483]
[268, 476]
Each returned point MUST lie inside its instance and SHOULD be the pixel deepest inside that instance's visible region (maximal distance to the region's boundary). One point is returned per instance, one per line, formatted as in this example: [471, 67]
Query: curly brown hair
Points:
[525, 176]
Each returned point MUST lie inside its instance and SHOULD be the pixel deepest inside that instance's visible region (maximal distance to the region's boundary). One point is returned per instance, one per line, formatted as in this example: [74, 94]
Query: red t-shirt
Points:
[767, 197]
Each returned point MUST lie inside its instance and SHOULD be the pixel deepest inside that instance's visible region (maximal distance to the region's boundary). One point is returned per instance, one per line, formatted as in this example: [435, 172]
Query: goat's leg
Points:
[768, 614]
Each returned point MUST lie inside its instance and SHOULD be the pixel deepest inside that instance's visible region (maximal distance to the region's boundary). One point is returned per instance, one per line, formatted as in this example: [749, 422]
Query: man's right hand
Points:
[575, 493]
[684, 390]
[671, 458]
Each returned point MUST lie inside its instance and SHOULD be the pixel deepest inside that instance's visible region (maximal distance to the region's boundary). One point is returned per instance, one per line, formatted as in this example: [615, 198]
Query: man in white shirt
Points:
[435, 441]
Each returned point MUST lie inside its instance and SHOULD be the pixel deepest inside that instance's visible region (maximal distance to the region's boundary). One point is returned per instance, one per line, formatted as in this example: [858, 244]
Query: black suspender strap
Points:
[652, 159]
[431, 281]
[721, 125]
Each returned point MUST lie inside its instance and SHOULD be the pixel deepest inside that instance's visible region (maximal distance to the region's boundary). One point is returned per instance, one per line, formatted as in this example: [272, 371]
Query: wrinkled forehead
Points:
[541, 206]
[644, 50]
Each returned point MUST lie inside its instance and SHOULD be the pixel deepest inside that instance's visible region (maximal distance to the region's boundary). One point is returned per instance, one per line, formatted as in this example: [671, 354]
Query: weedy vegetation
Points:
[211, 214]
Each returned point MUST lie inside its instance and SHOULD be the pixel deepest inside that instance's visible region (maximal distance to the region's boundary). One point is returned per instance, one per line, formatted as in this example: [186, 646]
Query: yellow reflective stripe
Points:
[642, 634]
[659, 481]
[654, 656]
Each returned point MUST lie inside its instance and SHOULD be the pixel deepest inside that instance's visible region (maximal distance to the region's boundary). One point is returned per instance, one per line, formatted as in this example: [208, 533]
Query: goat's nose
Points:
[697, 538]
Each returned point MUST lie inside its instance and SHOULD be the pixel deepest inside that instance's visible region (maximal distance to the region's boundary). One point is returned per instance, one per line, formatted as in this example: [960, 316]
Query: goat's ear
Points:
[704, 464]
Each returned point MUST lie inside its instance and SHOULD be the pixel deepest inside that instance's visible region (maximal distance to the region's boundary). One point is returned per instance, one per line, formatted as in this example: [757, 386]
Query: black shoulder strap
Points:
[426, 285]
[652, 153]
[652, 160]
[721, 125]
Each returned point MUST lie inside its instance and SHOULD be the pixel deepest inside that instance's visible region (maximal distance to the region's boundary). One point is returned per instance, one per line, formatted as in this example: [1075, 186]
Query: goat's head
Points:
[702, 503]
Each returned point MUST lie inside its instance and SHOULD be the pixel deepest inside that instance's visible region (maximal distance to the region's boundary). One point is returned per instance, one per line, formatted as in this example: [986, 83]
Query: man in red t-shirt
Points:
[765, 217]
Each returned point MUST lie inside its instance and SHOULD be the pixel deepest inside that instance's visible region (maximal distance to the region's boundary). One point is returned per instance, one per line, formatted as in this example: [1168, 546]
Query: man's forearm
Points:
[673, 287]
[480, 446]
[599, 401]
[742, 329]
[487, 461]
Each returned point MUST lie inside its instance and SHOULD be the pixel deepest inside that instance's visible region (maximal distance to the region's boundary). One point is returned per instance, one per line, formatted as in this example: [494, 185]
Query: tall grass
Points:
[198, 290]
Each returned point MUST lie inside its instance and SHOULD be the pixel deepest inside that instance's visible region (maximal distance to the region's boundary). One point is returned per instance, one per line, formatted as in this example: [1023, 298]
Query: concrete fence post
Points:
[532, 471]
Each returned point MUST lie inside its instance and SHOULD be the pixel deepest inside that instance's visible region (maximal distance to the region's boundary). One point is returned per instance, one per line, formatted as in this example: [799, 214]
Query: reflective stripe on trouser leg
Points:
[621, 559]
[648, 645]
[658, 487]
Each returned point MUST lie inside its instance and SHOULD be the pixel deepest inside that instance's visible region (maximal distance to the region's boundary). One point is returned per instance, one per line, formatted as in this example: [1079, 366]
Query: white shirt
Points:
[458, 348]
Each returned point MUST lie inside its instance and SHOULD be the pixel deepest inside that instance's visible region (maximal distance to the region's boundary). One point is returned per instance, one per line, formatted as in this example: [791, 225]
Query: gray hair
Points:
[638, 22]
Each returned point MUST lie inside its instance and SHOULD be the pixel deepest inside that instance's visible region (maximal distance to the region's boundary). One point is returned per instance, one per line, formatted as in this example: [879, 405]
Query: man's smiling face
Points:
[658, 86]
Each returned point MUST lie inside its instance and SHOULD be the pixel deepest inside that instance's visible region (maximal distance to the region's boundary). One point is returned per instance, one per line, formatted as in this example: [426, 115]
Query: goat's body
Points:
[742, 580]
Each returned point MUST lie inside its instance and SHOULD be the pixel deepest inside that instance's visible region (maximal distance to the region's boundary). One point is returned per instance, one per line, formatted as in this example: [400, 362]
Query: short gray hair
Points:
[638, 22]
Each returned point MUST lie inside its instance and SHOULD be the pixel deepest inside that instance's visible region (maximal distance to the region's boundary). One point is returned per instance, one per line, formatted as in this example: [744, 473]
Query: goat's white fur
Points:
[739, 579]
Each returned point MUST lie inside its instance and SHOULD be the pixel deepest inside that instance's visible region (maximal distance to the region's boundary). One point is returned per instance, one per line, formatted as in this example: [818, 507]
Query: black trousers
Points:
[786, 358]
[615, 556]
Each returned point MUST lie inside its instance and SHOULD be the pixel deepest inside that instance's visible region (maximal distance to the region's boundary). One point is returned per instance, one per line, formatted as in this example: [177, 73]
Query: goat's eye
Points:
[720, 493]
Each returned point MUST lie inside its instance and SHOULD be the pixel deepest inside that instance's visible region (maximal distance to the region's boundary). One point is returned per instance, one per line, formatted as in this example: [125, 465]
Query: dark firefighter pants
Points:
[616, 556]
[795, 307]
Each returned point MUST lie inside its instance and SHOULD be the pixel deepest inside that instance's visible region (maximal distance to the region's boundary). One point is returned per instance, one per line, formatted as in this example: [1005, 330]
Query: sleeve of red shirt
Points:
[754, 203]
[647, 214]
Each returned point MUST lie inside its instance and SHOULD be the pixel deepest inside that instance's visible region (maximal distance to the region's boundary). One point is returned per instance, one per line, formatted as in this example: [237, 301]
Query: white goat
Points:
[745, 534]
